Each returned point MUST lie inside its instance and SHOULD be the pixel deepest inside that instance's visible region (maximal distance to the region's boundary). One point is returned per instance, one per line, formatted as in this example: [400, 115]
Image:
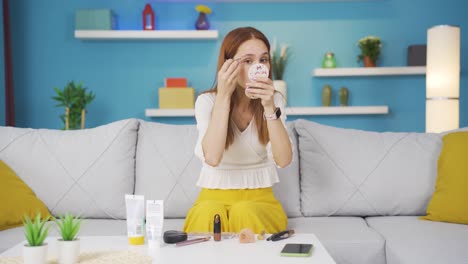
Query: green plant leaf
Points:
[42, 236]
[68, 226]
[35, 230]
[76, 98]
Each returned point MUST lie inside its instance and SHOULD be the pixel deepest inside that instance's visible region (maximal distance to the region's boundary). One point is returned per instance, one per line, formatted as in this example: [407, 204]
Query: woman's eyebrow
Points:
[250, 55]
[243, 57]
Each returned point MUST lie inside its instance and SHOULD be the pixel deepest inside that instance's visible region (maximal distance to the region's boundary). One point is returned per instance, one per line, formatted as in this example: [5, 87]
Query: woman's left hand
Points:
[262, 88]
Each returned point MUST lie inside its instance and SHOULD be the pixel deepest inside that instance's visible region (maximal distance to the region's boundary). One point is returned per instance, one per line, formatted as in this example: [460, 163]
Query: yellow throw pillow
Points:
[450, 199]
[16, 199]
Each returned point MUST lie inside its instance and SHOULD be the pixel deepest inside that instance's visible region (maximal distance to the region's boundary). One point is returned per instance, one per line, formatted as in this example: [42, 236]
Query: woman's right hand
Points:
[227, 77]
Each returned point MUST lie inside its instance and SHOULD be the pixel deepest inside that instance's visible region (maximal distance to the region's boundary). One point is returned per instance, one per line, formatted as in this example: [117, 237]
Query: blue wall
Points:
[2, 72]
[125, 75]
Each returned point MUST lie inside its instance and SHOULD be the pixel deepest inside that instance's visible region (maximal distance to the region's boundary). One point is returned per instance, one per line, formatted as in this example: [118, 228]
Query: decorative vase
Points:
[68, 251]
[148, 18]
[326, 95]
[202, 22]
[368, 62]
[343, 94]
[282, 88]
[35, 255]
[329, 60]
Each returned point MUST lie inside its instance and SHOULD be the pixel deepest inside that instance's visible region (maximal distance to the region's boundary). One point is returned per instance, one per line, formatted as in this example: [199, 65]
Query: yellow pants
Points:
[256, 209]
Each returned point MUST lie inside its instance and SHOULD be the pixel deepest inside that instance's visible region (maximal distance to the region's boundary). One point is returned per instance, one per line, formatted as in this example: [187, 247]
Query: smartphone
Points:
[297, 250]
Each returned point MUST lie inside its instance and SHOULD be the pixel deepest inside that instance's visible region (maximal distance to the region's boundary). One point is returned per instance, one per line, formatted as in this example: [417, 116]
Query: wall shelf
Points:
[290, 111]
[369, 71]
[264, 1]
[169, 112]
[146, 34]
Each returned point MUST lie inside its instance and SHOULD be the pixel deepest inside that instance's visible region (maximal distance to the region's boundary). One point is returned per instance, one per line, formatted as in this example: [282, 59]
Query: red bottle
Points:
[148, 18]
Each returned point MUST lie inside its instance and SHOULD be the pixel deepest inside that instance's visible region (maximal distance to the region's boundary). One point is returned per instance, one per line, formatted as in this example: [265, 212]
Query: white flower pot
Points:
[35, 255]
[68, 251]
[282, 88]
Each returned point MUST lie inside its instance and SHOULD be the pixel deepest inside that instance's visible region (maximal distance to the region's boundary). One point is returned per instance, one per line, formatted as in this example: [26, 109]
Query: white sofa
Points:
[360, 192]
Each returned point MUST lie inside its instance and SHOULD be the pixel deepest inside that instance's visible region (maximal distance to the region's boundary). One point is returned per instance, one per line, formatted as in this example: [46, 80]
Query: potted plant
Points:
[69, 245]
[279, 60]
[36, 231]
[75, 99]
[370, 50]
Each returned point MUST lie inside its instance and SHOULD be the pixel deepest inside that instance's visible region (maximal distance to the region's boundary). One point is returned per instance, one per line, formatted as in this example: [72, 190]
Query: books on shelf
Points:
[175, 82]
[176, 94]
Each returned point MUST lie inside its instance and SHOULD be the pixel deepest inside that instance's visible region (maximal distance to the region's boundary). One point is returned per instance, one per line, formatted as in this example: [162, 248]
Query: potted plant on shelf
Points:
[36, 231]
[279, 60]
[69, 245]
[370, 50]
[75, 99]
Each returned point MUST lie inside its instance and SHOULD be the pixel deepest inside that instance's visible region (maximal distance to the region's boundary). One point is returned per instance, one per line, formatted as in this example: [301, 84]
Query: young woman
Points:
[240, 142]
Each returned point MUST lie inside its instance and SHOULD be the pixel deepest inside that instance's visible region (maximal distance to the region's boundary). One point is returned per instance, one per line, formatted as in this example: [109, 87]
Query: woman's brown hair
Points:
[228, 49]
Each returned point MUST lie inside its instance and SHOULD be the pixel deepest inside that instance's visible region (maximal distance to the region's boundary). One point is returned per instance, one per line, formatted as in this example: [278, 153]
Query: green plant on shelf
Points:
[370, 47]
[279, 60]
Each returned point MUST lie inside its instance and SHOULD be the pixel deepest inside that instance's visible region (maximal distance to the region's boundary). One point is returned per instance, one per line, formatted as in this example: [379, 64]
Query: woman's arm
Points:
[279, 139]
[280, 143]
[215, 136]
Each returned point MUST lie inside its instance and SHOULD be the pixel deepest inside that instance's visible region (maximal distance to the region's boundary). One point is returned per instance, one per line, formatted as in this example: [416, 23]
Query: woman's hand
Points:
[262, 88]
[227, 77]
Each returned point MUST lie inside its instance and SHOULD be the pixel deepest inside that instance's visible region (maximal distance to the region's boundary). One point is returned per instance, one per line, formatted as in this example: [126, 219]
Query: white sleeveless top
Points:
[246, 164]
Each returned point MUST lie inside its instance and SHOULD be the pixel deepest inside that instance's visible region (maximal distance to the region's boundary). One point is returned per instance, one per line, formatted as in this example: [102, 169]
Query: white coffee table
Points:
[226, 251]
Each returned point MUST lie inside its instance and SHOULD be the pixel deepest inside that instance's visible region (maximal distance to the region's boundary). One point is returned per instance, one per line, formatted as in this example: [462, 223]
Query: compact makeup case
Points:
[173, 236]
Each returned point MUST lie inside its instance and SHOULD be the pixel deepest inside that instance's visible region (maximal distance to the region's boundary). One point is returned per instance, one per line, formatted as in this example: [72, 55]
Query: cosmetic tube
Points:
[135, 205]
[217, 228]
[154, 221]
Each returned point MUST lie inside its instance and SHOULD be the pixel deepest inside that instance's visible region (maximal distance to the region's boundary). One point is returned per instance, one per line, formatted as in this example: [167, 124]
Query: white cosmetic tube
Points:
[154, 221]
[135, 205]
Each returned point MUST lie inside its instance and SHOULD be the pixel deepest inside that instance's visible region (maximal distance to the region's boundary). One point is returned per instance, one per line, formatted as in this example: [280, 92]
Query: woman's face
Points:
[250, 52]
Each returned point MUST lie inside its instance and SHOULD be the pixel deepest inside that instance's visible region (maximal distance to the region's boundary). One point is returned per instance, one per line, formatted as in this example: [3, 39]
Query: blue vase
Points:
[202, 22]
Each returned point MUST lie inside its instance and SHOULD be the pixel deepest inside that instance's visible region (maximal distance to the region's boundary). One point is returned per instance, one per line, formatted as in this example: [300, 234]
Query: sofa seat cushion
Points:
[84, 172]
[410, 240]
[89, 227]
[356, 172]
[348, 239]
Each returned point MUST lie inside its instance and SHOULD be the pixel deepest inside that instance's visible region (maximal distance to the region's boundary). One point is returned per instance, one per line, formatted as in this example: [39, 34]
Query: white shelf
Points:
[146, 34]
[337, 110]
[264, 1]
[369, 71]
[290, 111]
[169, 112]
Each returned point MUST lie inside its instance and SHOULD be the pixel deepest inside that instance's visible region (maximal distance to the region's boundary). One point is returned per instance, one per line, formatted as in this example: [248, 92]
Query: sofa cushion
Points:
[166, 166]
[347, 239]
[450, 199]
[354, 172]
[22, 200]
[410, 240]
[287, 191]
[167, 169]
[84, 172]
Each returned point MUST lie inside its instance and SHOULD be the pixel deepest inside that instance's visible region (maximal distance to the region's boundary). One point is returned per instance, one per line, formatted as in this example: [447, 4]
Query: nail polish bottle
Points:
[217, 228]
